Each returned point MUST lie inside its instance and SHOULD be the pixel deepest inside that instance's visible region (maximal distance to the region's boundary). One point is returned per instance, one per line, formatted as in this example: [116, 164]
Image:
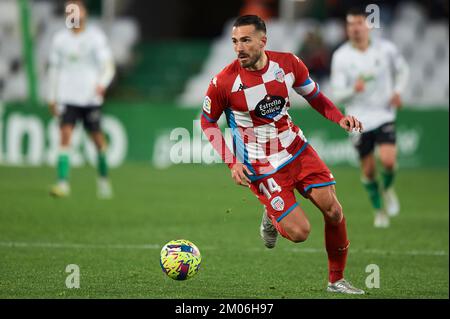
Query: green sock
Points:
[374, 193]
[63, 166]
[102, 165]
[388, 179]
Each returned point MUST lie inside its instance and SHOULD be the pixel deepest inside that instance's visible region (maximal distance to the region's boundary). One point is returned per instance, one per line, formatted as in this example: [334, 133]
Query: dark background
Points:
[205, 19]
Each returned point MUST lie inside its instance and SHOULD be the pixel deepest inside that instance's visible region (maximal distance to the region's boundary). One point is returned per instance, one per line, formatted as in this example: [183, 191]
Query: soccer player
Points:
[81, 68]
[368, 77]
[271, 155]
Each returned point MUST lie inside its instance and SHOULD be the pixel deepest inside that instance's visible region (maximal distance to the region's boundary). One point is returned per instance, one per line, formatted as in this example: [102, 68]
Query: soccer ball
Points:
[180, 259]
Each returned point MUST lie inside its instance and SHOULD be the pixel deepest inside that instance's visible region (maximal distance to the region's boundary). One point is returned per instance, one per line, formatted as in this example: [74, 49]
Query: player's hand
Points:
[53, 108]
[350, 123]
[360, 85]
[100, 90]
[238, 171]
[396, 101]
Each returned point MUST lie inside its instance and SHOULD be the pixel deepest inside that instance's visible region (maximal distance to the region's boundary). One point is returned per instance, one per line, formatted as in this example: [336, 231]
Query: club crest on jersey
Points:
[207, 104]
[279, 75]
[277, 203]
[270, 106]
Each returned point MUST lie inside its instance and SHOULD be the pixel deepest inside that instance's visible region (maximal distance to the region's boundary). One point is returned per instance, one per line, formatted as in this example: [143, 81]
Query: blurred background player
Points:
[368, 76]
[81, 69]
[271, 155]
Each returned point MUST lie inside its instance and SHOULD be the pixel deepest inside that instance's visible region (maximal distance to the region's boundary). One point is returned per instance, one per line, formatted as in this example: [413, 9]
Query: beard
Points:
[251, 61]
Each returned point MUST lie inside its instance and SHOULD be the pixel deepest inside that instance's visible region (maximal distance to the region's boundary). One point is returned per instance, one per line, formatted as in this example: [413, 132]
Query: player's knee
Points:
[300, 233]
[389, 165]
[65, 144]
[65, 141]
[99, 142]
[100, 147]
[333, 213]
[369, 173]
[299, 237]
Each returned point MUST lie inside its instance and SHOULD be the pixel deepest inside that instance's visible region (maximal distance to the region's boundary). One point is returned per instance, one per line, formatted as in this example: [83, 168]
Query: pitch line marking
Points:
[79, 246]
[13, 244]
[380, 252]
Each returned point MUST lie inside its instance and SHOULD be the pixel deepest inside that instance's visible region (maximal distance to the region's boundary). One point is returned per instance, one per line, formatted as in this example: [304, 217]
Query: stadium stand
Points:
[181, 70]
[423, 42]
[123, 35]
[161, 70]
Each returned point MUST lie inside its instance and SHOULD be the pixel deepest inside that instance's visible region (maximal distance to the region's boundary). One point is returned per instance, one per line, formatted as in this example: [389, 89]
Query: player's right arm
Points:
[309, 89]
[401, 74]
[213, 106]
[105, 59]
[53, 70]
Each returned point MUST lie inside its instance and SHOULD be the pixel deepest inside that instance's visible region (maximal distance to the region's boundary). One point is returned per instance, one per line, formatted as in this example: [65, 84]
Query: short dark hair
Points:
[254, 20]
[79, 2]
[357, 11]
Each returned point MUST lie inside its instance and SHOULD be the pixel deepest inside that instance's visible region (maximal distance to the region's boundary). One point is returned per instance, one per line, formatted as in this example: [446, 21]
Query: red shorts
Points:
[276, 191]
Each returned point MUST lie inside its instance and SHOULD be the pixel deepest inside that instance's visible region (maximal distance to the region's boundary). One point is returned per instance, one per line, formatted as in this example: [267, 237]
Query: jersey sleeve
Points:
[341, 87]
[215, 102]
[54, 63]
[303, 84]
[301, 73]
[400, 69]
[213, 106]
[306, 87]
[105, 59]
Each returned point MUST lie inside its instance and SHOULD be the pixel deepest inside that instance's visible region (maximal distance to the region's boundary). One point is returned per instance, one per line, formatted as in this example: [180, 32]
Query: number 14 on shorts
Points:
[272, 187]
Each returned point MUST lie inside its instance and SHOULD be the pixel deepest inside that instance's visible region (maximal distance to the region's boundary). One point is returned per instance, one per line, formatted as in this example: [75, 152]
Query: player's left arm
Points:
[401, 75]
[107, 65]
[310, 90]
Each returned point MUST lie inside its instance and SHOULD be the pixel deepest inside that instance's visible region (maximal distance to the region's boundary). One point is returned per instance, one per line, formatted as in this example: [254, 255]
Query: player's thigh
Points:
[296, 224]
[276, 193]
[67, 120]
[316, 182]
[368, 166]
[92, 120]
[99, 139]
[388, 155]
[325, 199]
[386, 142]
[312, 172]
[66, 134]
[69, 117]
[364, 143]
[365, 147]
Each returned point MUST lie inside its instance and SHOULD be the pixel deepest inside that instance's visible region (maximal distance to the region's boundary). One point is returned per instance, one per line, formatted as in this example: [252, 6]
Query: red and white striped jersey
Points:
[256, 105]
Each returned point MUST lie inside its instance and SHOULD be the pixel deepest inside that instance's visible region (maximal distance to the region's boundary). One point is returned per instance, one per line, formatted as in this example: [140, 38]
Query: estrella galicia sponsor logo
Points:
[270, 106]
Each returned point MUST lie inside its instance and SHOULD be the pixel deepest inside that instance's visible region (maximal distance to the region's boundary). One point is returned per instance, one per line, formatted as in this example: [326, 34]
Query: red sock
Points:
[336, 244]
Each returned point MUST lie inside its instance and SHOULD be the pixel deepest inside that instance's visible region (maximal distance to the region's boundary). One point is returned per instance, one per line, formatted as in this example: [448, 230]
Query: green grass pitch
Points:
[116, 243]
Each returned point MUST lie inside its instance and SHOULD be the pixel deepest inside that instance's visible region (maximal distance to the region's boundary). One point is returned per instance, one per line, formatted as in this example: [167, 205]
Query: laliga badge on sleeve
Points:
[207, 104]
